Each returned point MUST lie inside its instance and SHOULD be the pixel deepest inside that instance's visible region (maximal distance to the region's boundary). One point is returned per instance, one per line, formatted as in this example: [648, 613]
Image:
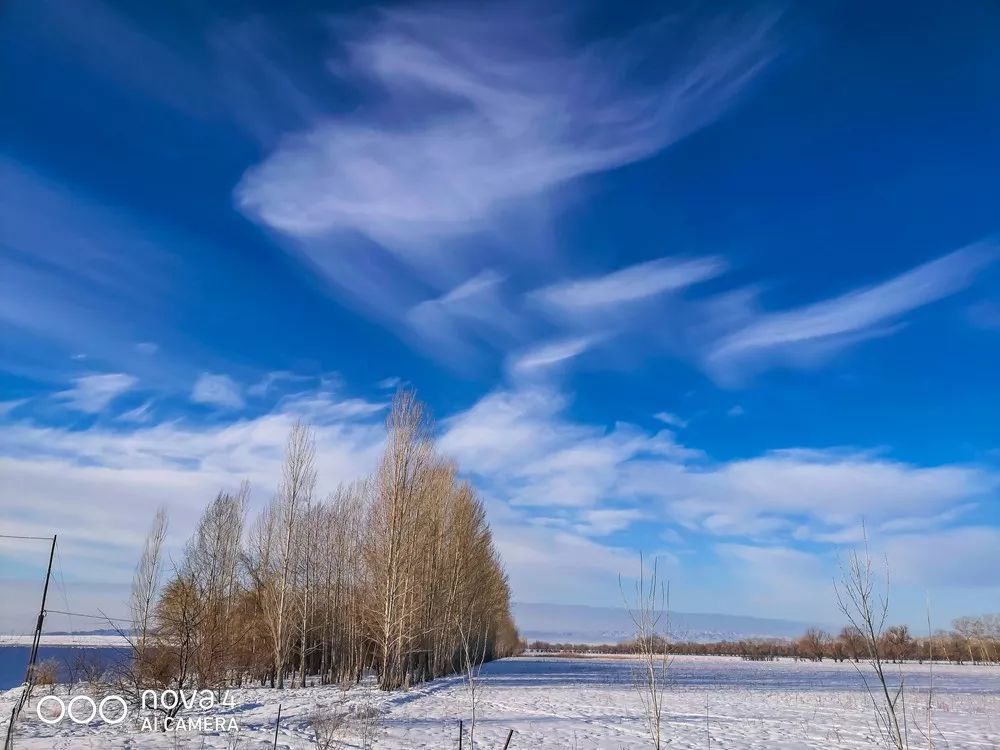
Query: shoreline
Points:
[84, 641]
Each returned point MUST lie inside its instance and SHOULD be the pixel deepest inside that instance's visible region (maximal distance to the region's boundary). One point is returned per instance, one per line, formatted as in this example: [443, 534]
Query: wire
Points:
[62, 585]
[91, 617]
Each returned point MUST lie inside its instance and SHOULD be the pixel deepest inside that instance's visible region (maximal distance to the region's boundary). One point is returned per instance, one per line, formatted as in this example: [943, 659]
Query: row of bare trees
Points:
[971, 640]
[396, 573]
[974, 640]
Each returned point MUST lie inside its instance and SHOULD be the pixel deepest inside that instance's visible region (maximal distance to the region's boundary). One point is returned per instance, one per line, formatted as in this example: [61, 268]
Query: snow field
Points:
[590, 704]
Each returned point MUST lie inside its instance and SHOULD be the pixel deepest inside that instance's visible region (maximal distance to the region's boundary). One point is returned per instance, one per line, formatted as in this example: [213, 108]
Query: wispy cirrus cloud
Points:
[546, 355]
[669, 418]
[474, 310]
[637, 282]
[140, 414]
[814, 331]
[93, 393]
[475, 115]
[726, 333]
[73, 270]
[501, 106]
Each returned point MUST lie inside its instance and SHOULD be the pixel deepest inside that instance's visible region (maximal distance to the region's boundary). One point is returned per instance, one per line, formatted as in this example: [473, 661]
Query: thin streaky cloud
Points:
[629, 284]
[859, 314]
[671, 419]
[6, 407]
[549, 113]
[140, 414]
[73, 268]
[476, 115]
[473, 310]
[549, 354]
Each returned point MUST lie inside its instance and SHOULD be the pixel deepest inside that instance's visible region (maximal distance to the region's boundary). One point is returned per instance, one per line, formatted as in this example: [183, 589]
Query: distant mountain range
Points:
[578, 623]
[575, 623]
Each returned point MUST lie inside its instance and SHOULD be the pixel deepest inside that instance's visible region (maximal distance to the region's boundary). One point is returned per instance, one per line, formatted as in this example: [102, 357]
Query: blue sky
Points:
[714, 283]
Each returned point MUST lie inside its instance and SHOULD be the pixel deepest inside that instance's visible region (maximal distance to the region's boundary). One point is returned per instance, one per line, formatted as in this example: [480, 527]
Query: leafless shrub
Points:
[46, 674]
[366, 718]
[649, 612]
[328, 728]
[866, 605]
[234, 739]
[473, 656]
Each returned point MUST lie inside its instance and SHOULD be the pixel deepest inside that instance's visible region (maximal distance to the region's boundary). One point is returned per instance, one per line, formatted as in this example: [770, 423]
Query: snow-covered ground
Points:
[590, 703]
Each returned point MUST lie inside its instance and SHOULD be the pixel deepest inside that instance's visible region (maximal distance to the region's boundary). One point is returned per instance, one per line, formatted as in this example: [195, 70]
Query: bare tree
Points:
[145, 590]
[866, 607]
[813, 644]
[649, 612]
[271, 563]
[473, 656]
[392, 573]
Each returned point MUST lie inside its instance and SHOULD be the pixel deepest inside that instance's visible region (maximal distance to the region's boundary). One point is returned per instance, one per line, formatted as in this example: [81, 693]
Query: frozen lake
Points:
[590, 703]
[14, 659]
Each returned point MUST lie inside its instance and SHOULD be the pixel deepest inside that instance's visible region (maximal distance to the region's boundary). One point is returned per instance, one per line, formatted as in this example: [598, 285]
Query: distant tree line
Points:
[971, 640]
[396, 573]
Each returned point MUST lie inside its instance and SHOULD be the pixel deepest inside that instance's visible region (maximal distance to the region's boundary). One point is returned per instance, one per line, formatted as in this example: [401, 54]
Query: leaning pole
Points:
[29, 674]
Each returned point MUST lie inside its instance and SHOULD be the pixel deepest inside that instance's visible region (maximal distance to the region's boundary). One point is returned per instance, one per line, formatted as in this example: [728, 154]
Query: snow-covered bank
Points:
[590, 703]
[96, 641]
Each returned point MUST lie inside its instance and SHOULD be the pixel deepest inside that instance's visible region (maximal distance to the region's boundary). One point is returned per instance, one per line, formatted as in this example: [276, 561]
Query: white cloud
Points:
[93, 393]
[736, 411]
[546, 355]
[473, 310]
[218, 390]
[6, 407]
[561, 567]
[148, 348]
[961, 557]
[273, 379]
[671, 419]
[809, 333]
[141, 413]
[520, 441]
[518, 111]
[475, 116]
[53, 479]
[629, 284]
[555, 488]
[77, 271]
[830, 487]
[604, 521]
[522, 446]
